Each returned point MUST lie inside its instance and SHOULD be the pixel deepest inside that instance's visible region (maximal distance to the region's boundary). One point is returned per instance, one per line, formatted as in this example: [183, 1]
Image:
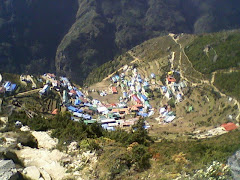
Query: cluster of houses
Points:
[110, 116]
[24, 79]
[6, 86]
[134, 88]
[173, 89]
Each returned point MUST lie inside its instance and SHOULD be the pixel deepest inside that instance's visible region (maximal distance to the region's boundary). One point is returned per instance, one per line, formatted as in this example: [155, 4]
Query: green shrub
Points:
[171, 102]
[140, 157]
[89, 144]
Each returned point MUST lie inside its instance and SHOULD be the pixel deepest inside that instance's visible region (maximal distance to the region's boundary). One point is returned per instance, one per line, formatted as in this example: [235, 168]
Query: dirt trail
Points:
[28, 92]
[135, 60]
[211, 82]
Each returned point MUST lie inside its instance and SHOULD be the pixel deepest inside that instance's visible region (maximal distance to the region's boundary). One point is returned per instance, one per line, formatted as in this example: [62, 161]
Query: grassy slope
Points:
[197, 153]
[232, 86]
[225, 44]
[210, 109]
[154, 54]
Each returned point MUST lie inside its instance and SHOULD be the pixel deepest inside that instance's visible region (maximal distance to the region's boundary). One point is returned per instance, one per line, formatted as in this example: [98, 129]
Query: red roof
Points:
[73, 92]
[136, 99]
[134, 108]
[55, 111]
[114, 90]
[171, 79]
[51, 75]
[229, 126]
[139, 105]
[83, 100]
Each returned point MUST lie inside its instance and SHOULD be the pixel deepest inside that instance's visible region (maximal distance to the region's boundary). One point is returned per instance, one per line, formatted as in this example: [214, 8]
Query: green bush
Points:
[171, 102]
[89, 144]
[140, 157]
[61, 125]
[137, 134]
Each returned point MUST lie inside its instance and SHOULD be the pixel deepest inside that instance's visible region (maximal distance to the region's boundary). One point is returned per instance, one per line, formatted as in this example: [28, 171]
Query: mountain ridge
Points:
[76, 38]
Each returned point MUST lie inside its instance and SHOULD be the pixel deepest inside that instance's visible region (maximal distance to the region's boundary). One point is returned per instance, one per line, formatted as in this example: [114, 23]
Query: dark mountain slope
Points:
[30, 32]
[83, 34]
[106, 28]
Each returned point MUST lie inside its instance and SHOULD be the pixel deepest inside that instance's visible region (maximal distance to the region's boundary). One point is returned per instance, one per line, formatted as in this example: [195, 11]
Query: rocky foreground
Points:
[45, 162]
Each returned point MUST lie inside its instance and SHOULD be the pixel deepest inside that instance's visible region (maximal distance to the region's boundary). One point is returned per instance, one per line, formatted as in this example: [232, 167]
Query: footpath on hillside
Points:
[211, 82]
[135, 60]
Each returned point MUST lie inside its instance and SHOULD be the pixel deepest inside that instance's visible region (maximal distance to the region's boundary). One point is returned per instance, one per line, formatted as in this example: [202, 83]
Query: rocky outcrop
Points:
[49, 161]
[234, 163]
[44, 162]
[44, 140]
[32, 172]
[8, 170]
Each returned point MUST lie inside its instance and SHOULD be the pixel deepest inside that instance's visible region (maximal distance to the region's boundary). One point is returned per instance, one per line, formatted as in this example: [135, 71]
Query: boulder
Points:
[9, 154]
[45, 174]
[44, 140]
[32, 172]
[234, 164]
[4, 119]
[25, 128]
[27, 139]
[8, 170]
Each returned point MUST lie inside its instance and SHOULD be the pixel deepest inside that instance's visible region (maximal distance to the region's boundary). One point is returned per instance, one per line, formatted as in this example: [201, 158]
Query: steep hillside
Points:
[208, 93]
[30, 32]
[74, 37]
[210, 101]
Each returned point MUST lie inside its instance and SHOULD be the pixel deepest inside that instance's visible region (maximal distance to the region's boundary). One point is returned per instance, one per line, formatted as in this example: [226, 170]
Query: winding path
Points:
[209, 82]
[135, 60]
[28, 92]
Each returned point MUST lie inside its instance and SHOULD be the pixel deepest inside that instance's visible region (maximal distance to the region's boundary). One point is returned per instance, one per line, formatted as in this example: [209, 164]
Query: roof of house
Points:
[73, 92]
[171, 79]
[136, 99]
[229, 126]
[55, 111]
[51, 75]
[114, 89]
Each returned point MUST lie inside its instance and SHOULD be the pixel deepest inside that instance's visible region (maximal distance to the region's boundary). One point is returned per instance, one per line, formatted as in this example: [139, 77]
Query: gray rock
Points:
[8, 170]
[32, 172]
[234, 163]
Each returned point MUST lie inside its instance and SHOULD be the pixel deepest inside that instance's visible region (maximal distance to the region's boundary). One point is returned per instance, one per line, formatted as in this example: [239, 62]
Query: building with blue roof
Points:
[77, 102]
[72, 109]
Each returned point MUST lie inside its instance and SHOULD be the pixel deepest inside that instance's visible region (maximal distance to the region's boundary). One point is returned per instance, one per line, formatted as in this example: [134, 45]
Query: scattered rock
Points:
[8, 170]
[10, 141]
[25, 128]
[4, 119]
[32, 172]
[234, 163]
[73, 146]
[45, 174]
[44, 159]
[11, 155]
[44, 140]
